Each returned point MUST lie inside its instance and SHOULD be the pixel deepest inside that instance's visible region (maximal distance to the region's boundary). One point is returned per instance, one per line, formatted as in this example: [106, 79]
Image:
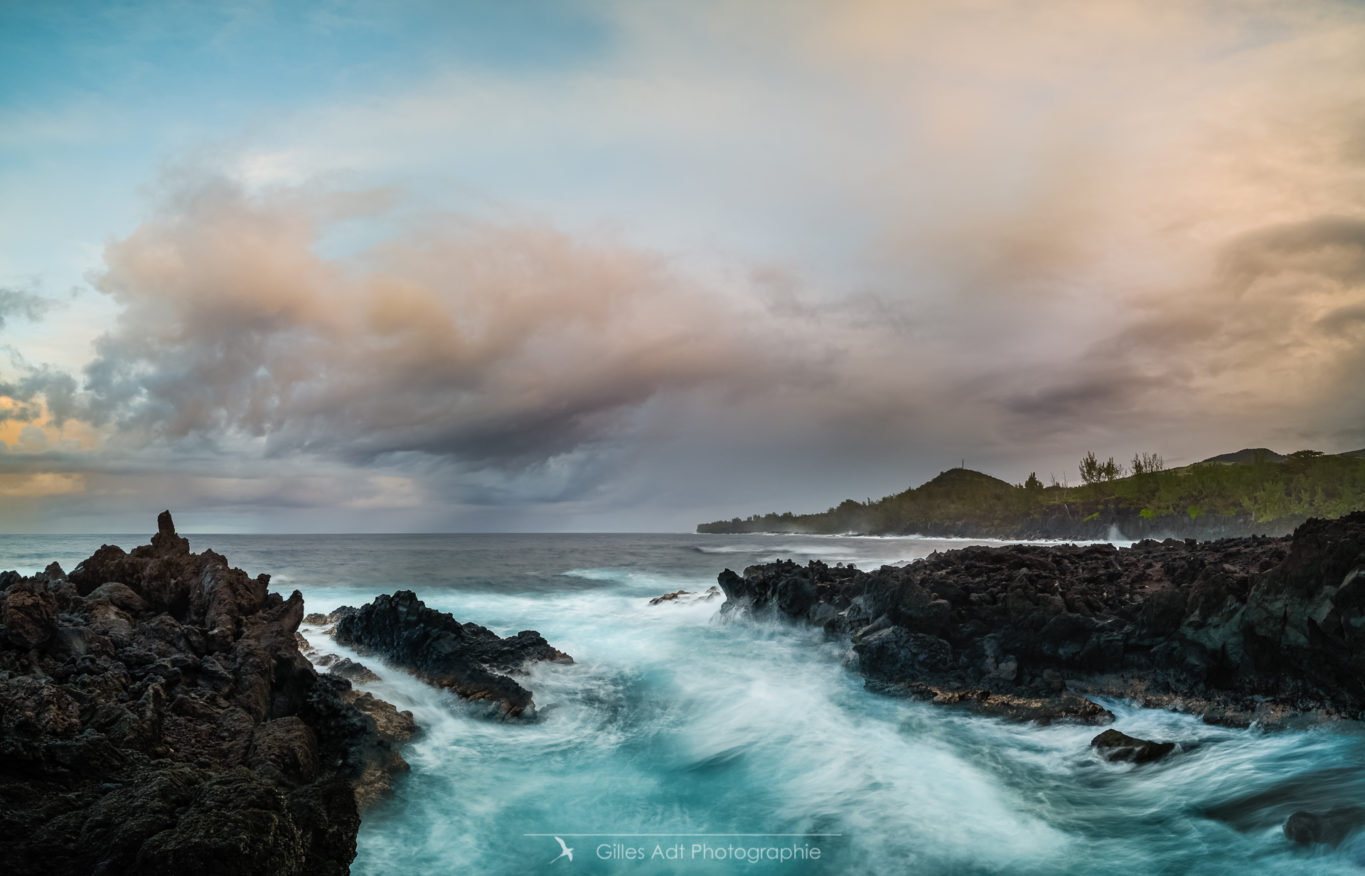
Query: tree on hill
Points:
[1301, 460]
[1093, 471]
[1033, 483]
[1147, 463]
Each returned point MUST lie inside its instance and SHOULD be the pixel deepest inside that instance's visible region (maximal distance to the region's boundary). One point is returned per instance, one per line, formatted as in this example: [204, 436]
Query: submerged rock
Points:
[1329, 828]
[156, 716]
[462, 657]
[1239, 630]
[1117, 747]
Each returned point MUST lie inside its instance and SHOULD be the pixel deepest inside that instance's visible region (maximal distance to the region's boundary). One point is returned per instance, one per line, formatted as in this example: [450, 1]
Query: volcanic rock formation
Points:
[1236, 630]
[465, 658]
[156, 717]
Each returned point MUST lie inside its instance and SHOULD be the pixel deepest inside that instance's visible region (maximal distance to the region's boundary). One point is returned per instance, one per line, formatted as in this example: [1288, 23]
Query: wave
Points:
[674, 718]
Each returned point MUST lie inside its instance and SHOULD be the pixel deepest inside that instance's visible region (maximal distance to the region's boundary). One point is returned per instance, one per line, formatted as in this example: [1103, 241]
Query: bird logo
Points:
[565, 851]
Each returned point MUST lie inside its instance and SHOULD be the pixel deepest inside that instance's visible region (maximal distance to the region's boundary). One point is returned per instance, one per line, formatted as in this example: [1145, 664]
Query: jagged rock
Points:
[894, 653]
[119, 595]
[157, 717]
[355, 672]
[684, 596]
[465, 658]
[382, 762]
[318, 619]
[28, 612]
[1117, 747]
[1237, 630]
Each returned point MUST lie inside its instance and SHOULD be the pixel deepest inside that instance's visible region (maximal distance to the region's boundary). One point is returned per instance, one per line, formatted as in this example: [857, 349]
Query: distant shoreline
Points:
[1237, 495]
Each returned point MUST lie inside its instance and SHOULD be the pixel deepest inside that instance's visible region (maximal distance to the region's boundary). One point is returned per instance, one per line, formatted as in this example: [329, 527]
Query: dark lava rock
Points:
[156, 717]
[1117, 747]
[1236, 630]
[462, 657]
[1329, 828]
[356, 672]
[686, 596]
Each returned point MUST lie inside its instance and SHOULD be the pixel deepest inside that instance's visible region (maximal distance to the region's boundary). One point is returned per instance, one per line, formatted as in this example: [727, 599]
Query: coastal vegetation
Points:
[1253, 491]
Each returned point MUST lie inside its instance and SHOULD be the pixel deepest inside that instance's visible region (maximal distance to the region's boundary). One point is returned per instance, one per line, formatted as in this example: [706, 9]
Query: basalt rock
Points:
[1117, 747]
[356, 672]
[157, 717]
[462, 657]
[1238, 630]
[679, 597]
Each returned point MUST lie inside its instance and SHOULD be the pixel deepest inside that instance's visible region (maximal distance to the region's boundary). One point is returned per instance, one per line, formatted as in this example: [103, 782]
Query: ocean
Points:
[684, 742]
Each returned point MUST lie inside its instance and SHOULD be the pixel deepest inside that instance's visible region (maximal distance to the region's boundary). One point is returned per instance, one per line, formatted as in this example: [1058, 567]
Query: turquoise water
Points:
[684, 742]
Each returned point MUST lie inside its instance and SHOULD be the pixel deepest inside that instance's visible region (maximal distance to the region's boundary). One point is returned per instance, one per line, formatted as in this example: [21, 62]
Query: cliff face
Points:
[1237, 629]
[156, 717]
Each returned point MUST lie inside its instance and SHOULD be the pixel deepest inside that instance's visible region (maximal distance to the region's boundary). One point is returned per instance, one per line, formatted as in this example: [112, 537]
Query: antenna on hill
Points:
[964, 462]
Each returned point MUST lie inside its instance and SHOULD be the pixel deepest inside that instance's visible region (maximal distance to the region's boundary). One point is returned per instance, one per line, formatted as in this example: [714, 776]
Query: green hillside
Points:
[1249, 492]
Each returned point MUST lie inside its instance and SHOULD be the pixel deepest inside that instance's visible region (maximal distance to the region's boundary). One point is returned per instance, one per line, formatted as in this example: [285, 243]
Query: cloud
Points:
[493, 345]
[16, 302]
[1330, 248]
[32, 486]
[35, 391]
[1343, 320]
[766, 252]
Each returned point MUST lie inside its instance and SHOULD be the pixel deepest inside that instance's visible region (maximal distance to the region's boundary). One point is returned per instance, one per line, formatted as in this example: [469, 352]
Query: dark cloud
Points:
[1326, 247]
[1256, 342]
[1105, 397]
[32, 388]
[1343, 320]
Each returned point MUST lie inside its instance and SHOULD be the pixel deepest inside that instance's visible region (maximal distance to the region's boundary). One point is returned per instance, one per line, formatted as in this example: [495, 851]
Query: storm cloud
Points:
[502, 346]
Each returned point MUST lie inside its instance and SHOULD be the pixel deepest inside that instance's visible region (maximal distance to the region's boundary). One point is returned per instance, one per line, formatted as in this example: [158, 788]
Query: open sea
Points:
[684, 742]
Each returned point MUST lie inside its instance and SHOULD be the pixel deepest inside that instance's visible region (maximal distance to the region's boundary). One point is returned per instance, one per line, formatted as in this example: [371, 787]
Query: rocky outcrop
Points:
[156, 717]
[681, 597]
[358, 673]
[1237, 630]
[1117, 747]
[468, 659]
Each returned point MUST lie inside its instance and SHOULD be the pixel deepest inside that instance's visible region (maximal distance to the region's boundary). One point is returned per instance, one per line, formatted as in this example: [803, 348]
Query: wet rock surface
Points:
[682, 597]
[358, 673]
[1268, 630]
[1117, 747]
[1328, 828]
[156, 717]
[470, 660]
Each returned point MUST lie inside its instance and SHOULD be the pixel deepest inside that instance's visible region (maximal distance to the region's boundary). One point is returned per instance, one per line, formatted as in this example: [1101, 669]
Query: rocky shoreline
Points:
[157, 717]
[1104, 520]
[159, 714]
[1239, 631]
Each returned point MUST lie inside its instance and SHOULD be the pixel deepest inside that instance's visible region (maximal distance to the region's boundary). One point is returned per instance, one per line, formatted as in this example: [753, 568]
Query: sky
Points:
[628, 266]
